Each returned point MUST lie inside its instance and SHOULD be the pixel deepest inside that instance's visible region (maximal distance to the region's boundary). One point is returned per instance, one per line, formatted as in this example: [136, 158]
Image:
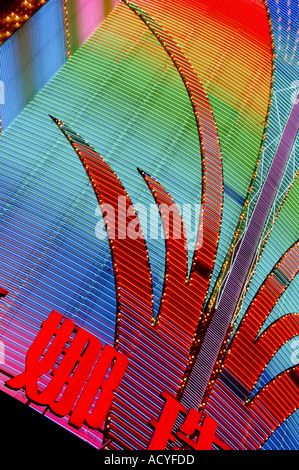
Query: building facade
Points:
[149, 216]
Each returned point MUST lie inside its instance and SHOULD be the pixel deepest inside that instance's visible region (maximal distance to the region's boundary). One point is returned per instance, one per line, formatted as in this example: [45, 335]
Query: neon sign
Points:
[83, 371]
[85, 367]
[163, 350]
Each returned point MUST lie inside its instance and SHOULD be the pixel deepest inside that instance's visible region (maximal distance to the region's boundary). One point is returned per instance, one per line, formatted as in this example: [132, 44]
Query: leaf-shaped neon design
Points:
[205, 366]
[174, 333]
[194, 287]
[247, 356]
[212, 178]
[250, 353]
[144, 343]
[274, 404]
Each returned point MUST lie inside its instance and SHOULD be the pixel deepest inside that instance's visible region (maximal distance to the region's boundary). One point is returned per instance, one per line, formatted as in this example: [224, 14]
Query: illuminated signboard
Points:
[171, 343]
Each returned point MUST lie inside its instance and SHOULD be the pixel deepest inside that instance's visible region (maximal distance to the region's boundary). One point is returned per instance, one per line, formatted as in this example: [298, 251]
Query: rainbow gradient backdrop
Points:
[99, 69]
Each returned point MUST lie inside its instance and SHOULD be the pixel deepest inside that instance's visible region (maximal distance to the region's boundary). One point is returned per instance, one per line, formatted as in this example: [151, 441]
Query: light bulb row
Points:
[17, 16]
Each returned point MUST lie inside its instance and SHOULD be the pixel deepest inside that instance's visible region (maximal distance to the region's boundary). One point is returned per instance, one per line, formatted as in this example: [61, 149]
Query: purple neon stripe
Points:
[215, 334]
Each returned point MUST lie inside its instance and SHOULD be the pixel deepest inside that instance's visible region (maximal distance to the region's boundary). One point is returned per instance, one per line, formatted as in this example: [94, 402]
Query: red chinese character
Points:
[163, 427]
[190, 427]
[82, 371]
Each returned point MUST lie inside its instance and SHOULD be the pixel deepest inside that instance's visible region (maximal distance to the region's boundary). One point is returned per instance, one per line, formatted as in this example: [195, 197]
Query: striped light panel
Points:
[199, 96]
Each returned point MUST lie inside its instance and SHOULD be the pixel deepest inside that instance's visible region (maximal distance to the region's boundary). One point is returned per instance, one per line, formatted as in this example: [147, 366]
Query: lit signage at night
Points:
[82, 372]
[77, 378]
[172, 323]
